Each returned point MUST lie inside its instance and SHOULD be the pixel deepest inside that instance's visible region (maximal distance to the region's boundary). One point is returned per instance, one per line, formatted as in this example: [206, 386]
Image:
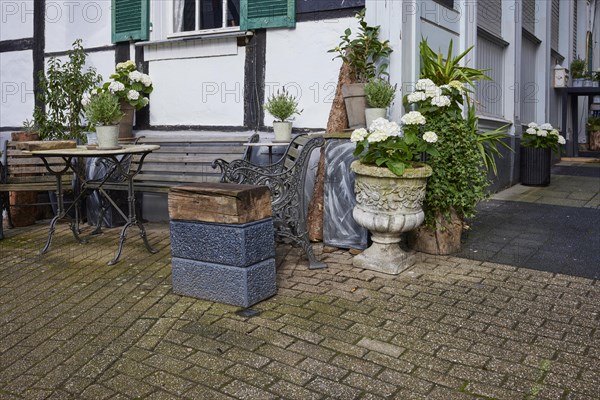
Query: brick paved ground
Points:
[449, 328]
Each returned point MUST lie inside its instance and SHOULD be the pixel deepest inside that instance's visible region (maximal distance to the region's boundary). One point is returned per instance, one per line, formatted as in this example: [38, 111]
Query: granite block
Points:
[234, 245]
[223, 283]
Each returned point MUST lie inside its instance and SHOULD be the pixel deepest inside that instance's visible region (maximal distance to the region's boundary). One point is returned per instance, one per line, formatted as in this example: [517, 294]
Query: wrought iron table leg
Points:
[122, 238]
[145, 238]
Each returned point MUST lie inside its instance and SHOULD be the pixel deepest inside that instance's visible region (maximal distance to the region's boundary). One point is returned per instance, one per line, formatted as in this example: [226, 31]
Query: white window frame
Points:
[224, 28]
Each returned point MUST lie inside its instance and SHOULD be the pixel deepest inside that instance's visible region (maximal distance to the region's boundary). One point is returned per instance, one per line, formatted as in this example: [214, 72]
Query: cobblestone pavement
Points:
[72, 327]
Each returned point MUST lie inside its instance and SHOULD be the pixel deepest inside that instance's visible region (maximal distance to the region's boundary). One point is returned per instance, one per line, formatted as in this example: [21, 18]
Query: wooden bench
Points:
[285, 178]
[25, 173]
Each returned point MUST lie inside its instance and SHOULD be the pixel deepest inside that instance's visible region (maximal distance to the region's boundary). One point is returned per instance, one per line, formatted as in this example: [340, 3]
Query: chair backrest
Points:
[25, 169]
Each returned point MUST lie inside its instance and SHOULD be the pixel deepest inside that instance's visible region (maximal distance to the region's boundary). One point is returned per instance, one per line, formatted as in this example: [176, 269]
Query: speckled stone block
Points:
[234, 245]
[223, 283]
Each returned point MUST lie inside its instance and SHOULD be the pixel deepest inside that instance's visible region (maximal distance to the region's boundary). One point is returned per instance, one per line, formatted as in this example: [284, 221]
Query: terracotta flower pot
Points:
[356, 103]
[442, 241]
[23, 215]
[126, 124]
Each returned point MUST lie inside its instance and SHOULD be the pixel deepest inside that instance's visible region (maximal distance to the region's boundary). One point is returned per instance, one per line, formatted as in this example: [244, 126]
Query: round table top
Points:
[83, 151]
[270, 144]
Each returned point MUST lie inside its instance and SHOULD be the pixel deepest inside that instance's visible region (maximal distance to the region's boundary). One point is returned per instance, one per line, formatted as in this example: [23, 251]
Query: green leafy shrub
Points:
[364, 52]
[578, 68]
[61, 90]
[103, 109]
[282, 105]
[380, 93]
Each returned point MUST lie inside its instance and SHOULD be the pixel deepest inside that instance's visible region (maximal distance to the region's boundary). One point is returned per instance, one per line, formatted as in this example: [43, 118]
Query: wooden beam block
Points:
[220, 203]
[46, 145]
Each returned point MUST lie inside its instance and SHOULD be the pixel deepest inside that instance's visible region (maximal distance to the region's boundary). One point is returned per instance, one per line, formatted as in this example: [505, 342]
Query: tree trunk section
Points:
[595, 141]
[337, 122]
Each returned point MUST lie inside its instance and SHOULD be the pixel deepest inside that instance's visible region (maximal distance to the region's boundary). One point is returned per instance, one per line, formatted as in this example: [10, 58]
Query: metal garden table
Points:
[116, 159]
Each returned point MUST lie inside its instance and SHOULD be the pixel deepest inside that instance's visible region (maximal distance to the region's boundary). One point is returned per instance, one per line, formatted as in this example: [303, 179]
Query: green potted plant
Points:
[104, 112]
[537, 145]
[364, 54]
[282, 106]
[578, 72]
[593, 128]
[132, 89]
[459, 176]
[61, 90]
[379, 94]
[390, 186]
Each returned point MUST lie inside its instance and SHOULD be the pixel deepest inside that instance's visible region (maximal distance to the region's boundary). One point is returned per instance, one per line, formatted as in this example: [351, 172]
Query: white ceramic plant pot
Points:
[283, 131]
[108, 136]
[371, 114]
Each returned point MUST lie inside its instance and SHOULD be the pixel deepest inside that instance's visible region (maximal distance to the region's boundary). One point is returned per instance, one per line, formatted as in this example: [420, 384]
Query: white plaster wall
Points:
[298, 59]
[103, 61]
[16, 88]
[67, 21]
[16, 19]
[198, 91]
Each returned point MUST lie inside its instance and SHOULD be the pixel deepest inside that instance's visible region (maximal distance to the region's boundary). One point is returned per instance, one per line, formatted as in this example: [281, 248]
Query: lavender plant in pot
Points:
[282, 106]
[104, 112]
[380, 95]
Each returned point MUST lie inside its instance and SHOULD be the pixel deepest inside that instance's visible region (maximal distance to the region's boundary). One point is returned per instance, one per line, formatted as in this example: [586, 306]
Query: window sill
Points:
[197, 36]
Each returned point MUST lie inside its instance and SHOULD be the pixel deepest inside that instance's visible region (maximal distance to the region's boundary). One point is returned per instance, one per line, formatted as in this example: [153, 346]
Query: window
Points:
[205, 15]
[446, 3]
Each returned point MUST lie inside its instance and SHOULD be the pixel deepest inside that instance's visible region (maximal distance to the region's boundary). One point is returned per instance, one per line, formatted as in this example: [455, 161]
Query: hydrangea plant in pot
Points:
[390, 187]
[282, 106]
[364, 54]
[537, 145]
[132, 88]
[380, 95]
[104, 112]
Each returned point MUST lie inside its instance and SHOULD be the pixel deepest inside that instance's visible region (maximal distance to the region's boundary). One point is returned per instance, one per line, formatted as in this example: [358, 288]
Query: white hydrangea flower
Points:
[542, 133]
[85, 99]
[146, 80]
[378, 124]
[358, 135]
[145, 101]
[546, 127]
[135, 76]
[457, 85]
[441, 101]
[115, 87]
[95, 91]
[378, 136]
[413, 118]
[531, 131]
[133, 95]
[424, 84]
[532, 125]
[392, 128]
[126, 64]
[433, 91]
[430, 137]
[561, 139]
[554, 132]
[415, 97]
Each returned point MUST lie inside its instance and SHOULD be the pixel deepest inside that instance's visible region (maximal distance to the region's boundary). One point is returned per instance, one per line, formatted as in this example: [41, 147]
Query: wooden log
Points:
[46, 145]
[595, 141]
[220, 203]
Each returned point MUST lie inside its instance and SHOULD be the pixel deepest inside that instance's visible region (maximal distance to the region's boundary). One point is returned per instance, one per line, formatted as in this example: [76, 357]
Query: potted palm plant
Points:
[104, 112]
[282, 106]
[363, 54]
[380, 95]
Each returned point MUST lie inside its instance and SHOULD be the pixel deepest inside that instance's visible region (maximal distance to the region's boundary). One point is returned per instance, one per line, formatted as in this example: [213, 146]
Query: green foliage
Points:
[364, 52]
[282, 105]
[103, 109]
[443, 72]
[593, 124]
[29, 126]
[578, 67]
[459, 179]
[380, 93]
[129, 85]
[61, 89]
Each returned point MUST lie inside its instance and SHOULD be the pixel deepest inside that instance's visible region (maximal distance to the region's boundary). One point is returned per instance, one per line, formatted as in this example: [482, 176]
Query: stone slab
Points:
[242, 287]
[46, 145]
[220, 202]
[234, 245]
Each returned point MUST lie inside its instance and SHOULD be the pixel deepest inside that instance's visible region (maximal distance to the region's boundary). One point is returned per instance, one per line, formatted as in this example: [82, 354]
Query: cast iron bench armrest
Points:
[285, 179]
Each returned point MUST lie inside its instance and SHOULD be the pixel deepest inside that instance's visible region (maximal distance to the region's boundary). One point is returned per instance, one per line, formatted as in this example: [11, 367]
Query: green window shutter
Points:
[267, 14]
[130, 20]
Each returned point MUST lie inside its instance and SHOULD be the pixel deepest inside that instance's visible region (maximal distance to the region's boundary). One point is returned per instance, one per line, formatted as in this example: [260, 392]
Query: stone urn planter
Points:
[388, 205]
